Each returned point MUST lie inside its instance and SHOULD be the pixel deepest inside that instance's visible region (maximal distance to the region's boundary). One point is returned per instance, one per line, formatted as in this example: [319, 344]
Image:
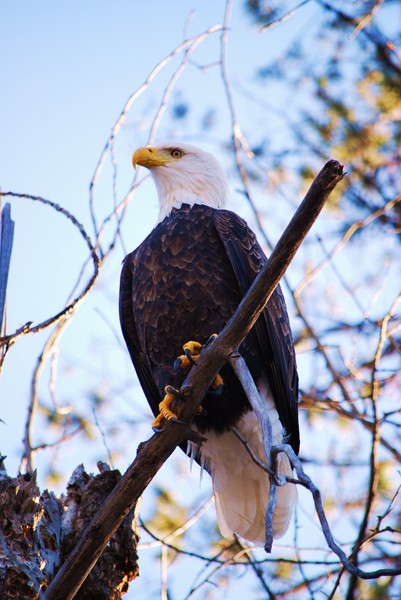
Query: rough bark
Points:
[37, 532]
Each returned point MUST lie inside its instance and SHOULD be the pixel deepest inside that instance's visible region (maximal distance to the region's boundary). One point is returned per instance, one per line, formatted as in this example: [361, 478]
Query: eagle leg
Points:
[192, 351]
[166, 414]
[217, 386]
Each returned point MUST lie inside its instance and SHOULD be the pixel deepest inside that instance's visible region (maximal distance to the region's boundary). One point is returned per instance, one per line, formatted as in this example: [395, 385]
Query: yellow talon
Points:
[165, 407]
[185, 361]
[192, 353]
[165, 404]
[193, 347]
[217, 381]
[158, 421]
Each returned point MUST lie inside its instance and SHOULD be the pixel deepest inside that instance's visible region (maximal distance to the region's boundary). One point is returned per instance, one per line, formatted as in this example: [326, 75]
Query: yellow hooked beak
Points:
[150, 157]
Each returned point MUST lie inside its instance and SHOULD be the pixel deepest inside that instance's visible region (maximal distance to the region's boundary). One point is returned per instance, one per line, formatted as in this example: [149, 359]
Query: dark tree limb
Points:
[6, 244]
[153, 453]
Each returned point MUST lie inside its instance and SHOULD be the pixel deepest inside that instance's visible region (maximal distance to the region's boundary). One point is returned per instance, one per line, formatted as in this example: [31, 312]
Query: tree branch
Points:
[242, 372]
[306, 482]
[6, 244]
[68, 310]
[152, 454]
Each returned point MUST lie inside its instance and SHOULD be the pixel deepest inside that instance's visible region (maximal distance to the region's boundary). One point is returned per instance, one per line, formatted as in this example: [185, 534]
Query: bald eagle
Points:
[183, 283]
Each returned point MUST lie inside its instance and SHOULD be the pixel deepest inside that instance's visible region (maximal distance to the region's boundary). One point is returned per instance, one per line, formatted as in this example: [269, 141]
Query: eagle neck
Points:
[175, 188]
[167, 207]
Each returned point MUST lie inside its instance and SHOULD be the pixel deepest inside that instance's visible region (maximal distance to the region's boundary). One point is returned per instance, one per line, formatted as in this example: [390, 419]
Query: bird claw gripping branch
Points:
[166, 414]
[192, 352]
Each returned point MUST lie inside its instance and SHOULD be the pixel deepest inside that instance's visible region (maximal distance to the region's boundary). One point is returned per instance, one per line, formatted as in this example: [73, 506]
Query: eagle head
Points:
[183, 175]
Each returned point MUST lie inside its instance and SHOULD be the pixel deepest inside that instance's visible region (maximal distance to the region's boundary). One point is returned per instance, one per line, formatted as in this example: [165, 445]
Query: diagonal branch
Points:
[242, 372]
[153, 453]
[306, 482]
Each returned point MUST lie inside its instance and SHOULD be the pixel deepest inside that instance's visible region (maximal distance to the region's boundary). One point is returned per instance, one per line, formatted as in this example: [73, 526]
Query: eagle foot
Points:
[166, 414]
[192, 352]
[210, 340]
[217, 386]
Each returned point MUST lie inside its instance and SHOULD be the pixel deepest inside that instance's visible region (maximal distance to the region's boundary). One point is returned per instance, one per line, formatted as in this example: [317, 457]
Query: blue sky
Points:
[66, 69]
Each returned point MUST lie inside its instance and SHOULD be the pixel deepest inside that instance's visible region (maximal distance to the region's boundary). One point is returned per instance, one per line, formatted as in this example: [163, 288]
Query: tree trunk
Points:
[37, 531]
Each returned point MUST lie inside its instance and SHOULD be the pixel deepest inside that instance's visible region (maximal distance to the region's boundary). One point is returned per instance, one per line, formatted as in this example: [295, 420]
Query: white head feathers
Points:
[184, 174]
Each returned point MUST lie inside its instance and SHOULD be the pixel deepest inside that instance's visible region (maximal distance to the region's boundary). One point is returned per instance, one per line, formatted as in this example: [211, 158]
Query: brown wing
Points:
[184, 283]
[272, 330]
[130, 333]
[179, 286]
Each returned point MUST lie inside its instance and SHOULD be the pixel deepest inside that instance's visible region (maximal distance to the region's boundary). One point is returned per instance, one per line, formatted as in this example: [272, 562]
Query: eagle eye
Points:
[176, 153]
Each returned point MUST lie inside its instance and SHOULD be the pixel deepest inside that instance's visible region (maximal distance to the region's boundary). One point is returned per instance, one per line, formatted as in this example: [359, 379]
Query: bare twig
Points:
[306, 482]
[374, 472]
[284, 17]
[238, 138]
[366, 18]
[344, 240]
[188, 46]
[60, 320]
[132, 98]
[67, 311]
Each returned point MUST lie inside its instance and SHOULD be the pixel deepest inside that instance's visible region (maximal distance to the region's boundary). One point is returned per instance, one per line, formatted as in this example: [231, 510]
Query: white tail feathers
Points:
[241, 487]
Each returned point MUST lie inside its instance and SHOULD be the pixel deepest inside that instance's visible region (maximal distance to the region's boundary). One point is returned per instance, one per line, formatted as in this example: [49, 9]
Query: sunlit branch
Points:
[366, 18]
[182, 528]
[123, 114]
[60, 320]
[329, 405]
[374, 471]
[284, 17]
[238, 138]
[188, 46]
[306, 482]
[387, 47]
[176, 75]
[68, 310]
[344, 240]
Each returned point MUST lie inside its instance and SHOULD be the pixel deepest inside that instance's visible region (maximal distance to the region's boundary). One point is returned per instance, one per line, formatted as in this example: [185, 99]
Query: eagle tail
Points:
[241, 487]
